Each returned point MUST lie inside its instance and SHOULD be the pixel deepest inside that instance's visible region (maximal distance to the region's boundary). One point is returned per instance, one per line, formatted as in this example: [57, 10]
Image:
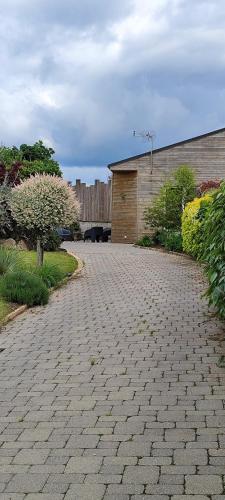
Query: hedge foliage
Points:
[214, 255]
[192, 225]
[203, 231]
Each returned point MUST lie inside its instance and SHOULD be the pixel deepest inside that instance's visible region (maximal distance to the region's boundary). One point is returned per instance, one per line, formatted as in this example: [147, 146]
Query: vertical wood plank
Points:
[95, 201]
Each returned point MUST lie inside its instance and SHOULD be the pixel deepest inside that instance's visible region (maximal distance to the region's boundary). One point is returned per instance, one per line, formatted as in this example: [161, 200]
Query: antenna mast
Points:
[147, 136]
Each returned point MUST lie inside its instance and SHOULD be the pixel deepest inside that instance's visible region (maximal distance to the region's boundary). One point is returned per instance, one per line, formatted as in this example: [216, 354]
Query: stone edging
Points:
[24, 307]
[79, 267]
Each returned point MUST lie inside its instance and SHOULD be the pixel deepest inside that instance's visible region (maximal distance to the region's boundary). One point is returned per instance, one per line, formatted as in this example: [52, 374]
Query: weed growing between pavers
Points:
[221, 362]
[146, 329]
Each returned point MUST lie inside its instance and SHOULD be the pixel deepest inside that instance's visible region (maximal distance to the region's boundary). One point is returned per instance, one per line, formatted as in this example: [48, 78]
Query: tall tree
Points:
[30, 160]
[36, 152]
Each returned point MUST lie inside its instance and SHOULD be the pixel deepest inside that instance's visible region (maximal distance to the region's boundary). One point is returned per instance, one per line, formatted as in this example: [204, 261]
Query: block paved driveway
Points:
[112, 390]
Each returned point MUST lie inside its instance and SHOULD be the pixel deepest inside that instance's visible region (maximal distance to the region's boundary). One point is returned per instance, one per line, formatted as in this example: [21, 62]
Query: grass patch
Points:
[66, 263]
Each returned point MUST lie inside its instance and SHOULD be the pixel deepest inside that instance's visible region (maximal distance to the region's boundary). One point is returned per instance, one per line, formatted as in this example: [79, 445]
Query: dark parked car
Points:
[94, 234]
[65, 234]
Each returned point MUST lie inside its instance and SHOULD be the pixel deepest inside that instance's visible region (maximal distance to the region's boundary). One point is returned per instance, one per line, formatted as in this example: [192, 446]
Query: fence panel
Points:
[95, 201]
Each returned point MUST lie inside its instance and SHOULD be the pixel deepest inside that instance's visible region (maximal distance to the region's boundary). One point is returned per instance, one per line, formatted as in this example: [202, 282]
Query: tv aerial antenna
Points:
[148, 136]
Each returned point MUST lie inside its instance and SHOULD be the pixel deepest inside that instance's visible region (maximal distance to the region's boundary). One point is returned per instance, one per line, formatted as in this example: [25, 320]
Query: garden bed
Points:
[67, 263]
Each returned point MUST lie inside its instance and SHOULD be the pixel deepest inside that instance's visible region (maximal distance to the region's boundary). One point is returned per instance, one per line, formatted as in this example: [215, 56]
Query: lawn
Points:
[63, 260]
[67, 263]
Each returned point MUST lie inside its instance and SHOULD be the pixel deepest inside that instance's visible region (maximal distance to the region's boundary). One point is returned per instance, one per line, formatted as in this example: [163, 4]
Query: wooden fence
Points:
[95, 201]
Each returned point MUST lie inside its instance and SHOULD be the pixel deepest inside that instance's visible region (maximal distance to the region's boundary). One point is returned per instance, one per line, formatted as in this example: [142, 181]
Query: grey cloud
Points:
[83, 74]
[70, 13]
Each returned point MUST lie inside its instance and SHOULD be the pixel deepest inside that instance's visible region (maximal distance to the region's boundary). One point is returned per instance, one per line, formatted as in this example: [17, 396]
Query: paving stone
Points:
[27, 483]
[189, 497]
[164, 489]
[83, 465]
[190, 457]
[103, 478]
[12, 496]
[211, 469]
[134, 449]
[55, 487]
[122, 395]
[155, 461]
[209, 485]
[141, 474]
[83, 442]
[67, 479]
[112, 469]
[116, 497]
[35, 435]
[149, 497]
[85, 492]
[209, 404]
[98, 430]
[31, 457]
[44, 496]
[125, 489]
[178, 469]
[13, 469]
[83, 404]
[48, 469]
[110, 461]
[180, 435]
[129, 428]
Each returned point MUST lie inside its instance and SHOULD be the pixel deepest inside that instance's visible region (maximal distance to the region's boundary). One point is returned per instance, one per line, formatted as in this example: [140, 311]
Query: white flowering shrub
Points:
[42, 203]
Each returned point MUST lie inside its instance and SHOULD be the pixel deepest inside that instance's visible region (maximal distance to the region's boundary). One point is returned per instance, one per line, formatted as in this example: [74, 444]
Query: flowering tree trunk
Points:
[40, 252]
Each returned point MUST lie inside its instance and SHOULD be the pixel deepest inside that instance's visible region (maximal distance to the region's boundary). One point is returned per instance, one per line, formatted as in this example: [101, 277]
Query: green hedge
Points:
[193, 219]
[203, 231]
[214, 254]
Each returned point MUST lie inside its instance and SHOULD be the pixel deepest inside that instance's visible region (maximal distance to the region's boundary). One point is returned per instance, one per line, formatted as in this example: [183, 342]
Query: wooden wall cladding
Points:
[124, 207]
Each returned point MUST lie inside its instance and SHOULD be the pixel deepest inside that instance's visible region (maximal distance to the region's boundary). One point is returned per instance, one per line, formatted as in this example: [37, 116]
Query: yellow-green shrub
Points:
[192, 225]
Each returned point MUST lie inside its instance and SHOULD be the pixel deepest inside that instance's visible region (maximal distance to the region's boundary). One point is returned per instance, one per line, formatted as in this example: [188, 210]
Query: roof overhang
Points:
[122, 168]
[113, 166]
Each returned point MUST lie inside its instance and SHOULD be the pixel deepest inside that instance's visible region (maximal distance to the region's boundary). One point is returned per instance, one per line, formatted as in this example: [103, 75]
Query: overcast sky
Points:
[82, 74]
